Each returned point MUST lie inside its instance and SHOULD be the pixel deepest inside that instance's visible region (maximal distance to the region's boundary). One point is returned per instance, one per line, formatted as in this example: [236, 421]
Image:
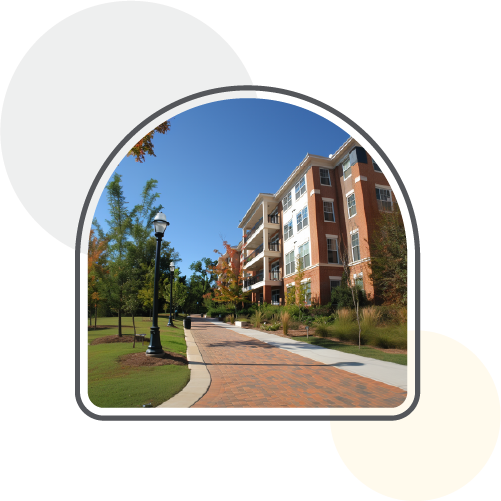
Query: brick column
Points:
[267, 294]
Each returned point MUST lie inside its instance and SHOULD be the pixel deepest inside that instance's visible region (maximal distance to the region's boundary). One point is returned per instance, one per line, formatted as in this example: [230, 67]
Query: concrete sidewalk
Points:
[386, 372]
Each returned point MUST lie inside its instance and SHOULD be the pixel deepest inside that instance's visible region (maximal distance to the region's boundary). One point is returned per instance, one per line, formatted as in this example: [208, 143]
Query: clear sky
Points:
[215, 160]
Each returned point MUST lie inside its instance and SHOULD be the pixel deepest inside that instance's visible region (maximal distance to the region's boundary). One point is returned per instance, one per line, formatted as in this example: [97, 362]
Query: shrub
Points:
[230, 319]
[370, 318]
[384, 341]
[285, 321]
[256, 319]
[341, 296]
[322, 331]
[271, 327]
[345, 315]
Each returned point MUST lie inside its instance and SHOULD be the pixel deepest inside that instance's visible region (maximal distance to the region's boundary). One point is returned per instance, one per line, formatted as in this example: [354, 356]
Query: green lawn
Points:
[363, 351]
[111, 385]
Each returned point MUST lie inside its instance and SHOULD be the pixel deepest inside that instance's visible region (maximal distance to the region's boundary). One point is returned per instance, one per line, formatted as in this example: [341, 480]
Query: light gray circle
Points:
[86, 84]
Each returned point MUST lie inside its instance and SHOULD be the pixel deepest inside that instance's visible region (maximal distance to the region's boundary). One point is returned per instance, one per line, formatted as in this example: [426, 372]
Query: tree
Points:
[119, 229]
[229, 283]
[96, 267]
[201, 281]
[179, 292]
[388, 264]
[145, 145]
[132, 300]
[352, 286]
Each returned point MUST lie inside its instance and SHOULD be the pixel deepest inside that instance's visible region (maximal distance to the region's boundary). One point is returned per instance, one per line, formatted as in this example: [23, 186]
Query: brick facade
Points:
[323, 194]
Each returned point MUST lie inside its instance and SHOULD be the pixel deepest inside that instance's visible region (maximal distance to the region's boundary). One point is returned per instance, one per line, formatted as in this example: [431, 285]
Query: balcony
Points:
[273, 276]
[253, 254]
[251, 232]
[274, 219]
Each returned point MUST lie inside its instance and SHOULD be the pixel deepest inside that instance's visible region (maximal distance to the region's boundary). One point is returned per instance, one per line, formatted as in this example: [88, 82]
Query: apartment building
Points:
[326, 207]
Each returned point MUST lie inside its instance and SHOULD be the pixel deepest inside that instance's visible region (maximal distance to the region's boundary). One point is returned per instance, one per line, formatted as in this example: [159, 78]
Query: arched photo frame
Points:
[260, 92]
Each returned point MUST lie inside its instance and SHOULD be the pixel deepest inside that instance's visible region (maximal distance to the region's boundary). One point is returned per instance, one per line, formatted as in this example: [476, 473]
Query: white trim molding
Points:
[327, 199]
[360, 178]
[349, 193]
[382, 187]
[314, 192]
[335, 278]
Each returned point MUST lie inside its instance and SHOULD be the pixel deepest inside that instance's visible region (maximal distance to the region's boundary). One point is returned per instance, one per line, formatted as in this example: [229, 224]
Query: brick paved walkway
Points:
[249, 373]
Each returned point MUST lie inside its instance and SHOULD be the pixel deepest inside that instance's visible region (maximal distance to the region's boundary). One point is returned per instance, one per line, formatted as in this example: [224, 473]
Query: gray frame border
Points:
[366, 136]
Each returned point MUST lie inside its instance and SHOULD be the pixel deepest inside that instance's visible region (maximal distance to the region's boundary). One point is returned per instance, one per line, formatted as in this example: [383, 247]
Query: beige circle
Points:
[443, 443]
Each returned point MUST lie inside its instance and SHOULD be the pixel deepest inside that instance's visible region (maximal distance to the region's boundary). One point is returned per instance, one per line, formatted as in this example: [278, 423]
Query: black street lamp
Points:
[155, 347]
[172, 268]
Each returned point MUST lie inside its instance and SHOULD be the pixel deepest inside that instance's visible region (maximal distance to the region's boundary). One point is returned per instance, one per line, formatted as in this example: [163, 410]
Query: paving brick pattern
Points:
[246, 372]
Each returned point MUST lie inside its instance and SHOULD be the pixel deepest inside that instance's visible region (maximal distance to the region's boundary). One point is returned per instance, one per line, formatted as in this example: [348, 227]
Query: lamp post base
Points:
[155, 347]
[169, 323]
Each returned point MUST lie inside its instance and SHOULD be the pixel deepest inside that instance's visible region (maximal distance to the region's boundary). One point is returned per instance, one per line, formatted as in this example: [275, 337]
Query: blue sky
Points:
[215, 160]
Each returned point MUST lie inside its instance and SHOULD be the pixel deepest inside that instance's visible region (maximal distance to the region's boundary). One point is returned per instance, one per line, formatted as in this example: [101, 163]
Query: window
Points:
[355, 247]
[329, 211]
[290, 263]
[287, 201]
[307, 293]
[384, 201]
[332, 252]
[325, 178]
[346, 168]
[302, 219]
[288, 230]
[376, 166]
[334, 284]
[304, 255]
[300, 188]
[352, 207]
[275, 296]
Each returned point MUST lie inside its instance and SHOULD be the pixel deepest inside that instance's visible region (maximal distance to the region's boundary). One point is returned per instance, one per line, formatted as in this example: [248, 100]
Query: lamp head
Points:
[160, 223]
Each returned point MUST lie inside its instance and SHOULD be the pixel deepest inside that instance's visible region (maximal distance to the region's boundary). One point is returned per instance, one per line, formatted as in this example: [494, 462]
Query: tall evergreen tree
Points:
[120, 224]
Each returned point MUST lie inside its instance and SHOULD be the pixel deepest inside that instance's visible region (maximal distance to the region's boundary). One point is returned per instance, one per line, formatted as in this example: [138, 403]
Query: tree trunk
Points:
[119, 322]
[95, 319]
[134, 324]
[90, 319]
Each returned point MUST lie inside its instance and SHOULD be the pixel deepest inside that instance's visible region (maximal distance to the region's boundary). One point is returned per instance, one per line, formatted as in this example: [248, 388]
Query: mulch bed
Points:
[140, 360]
[126, 338]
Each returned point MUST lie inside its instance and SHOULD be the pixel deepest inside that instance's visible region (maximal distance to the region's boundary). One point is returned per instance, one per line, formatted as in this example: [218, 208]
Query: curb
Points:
[199, 378]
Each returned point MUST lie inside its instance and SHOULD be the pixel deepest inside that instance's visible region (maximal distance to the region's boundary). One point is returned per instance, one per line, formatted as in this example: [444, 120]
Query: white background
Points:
[423, 81]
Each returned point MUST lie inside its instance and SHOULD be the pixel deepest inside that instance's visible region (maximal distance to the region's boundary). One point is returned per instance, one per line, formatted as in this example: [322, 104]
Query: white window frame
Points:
[332, 250]
[302, 219]
[287, 202]
[380, 206]
[277, 293]
[348, 196]
[290, 230]
[346, 169]
[302, 255]
[333, 213]
[290, 263]
[353, 247]
[323, 177]
[300, 187]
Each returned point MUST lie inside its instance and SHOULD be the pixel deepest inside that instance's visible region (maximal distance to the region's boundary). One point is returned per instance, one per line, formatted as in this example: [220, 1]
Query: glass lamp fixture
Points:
[172, 267]
[160, 223]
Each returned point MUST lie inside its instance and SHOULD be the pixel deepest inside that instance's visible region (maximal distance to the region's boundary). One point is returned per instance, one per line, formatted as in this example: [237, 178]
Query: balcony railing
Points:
[275, 275]
[274, 218]
[254, 254]
[274, 246]
[253, 230]
[250, 281]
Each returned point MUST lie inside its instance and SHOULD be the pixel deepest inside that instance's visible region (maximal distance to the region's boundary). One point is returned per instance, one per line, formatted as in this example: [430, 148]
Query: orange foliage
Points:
[145, 145]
